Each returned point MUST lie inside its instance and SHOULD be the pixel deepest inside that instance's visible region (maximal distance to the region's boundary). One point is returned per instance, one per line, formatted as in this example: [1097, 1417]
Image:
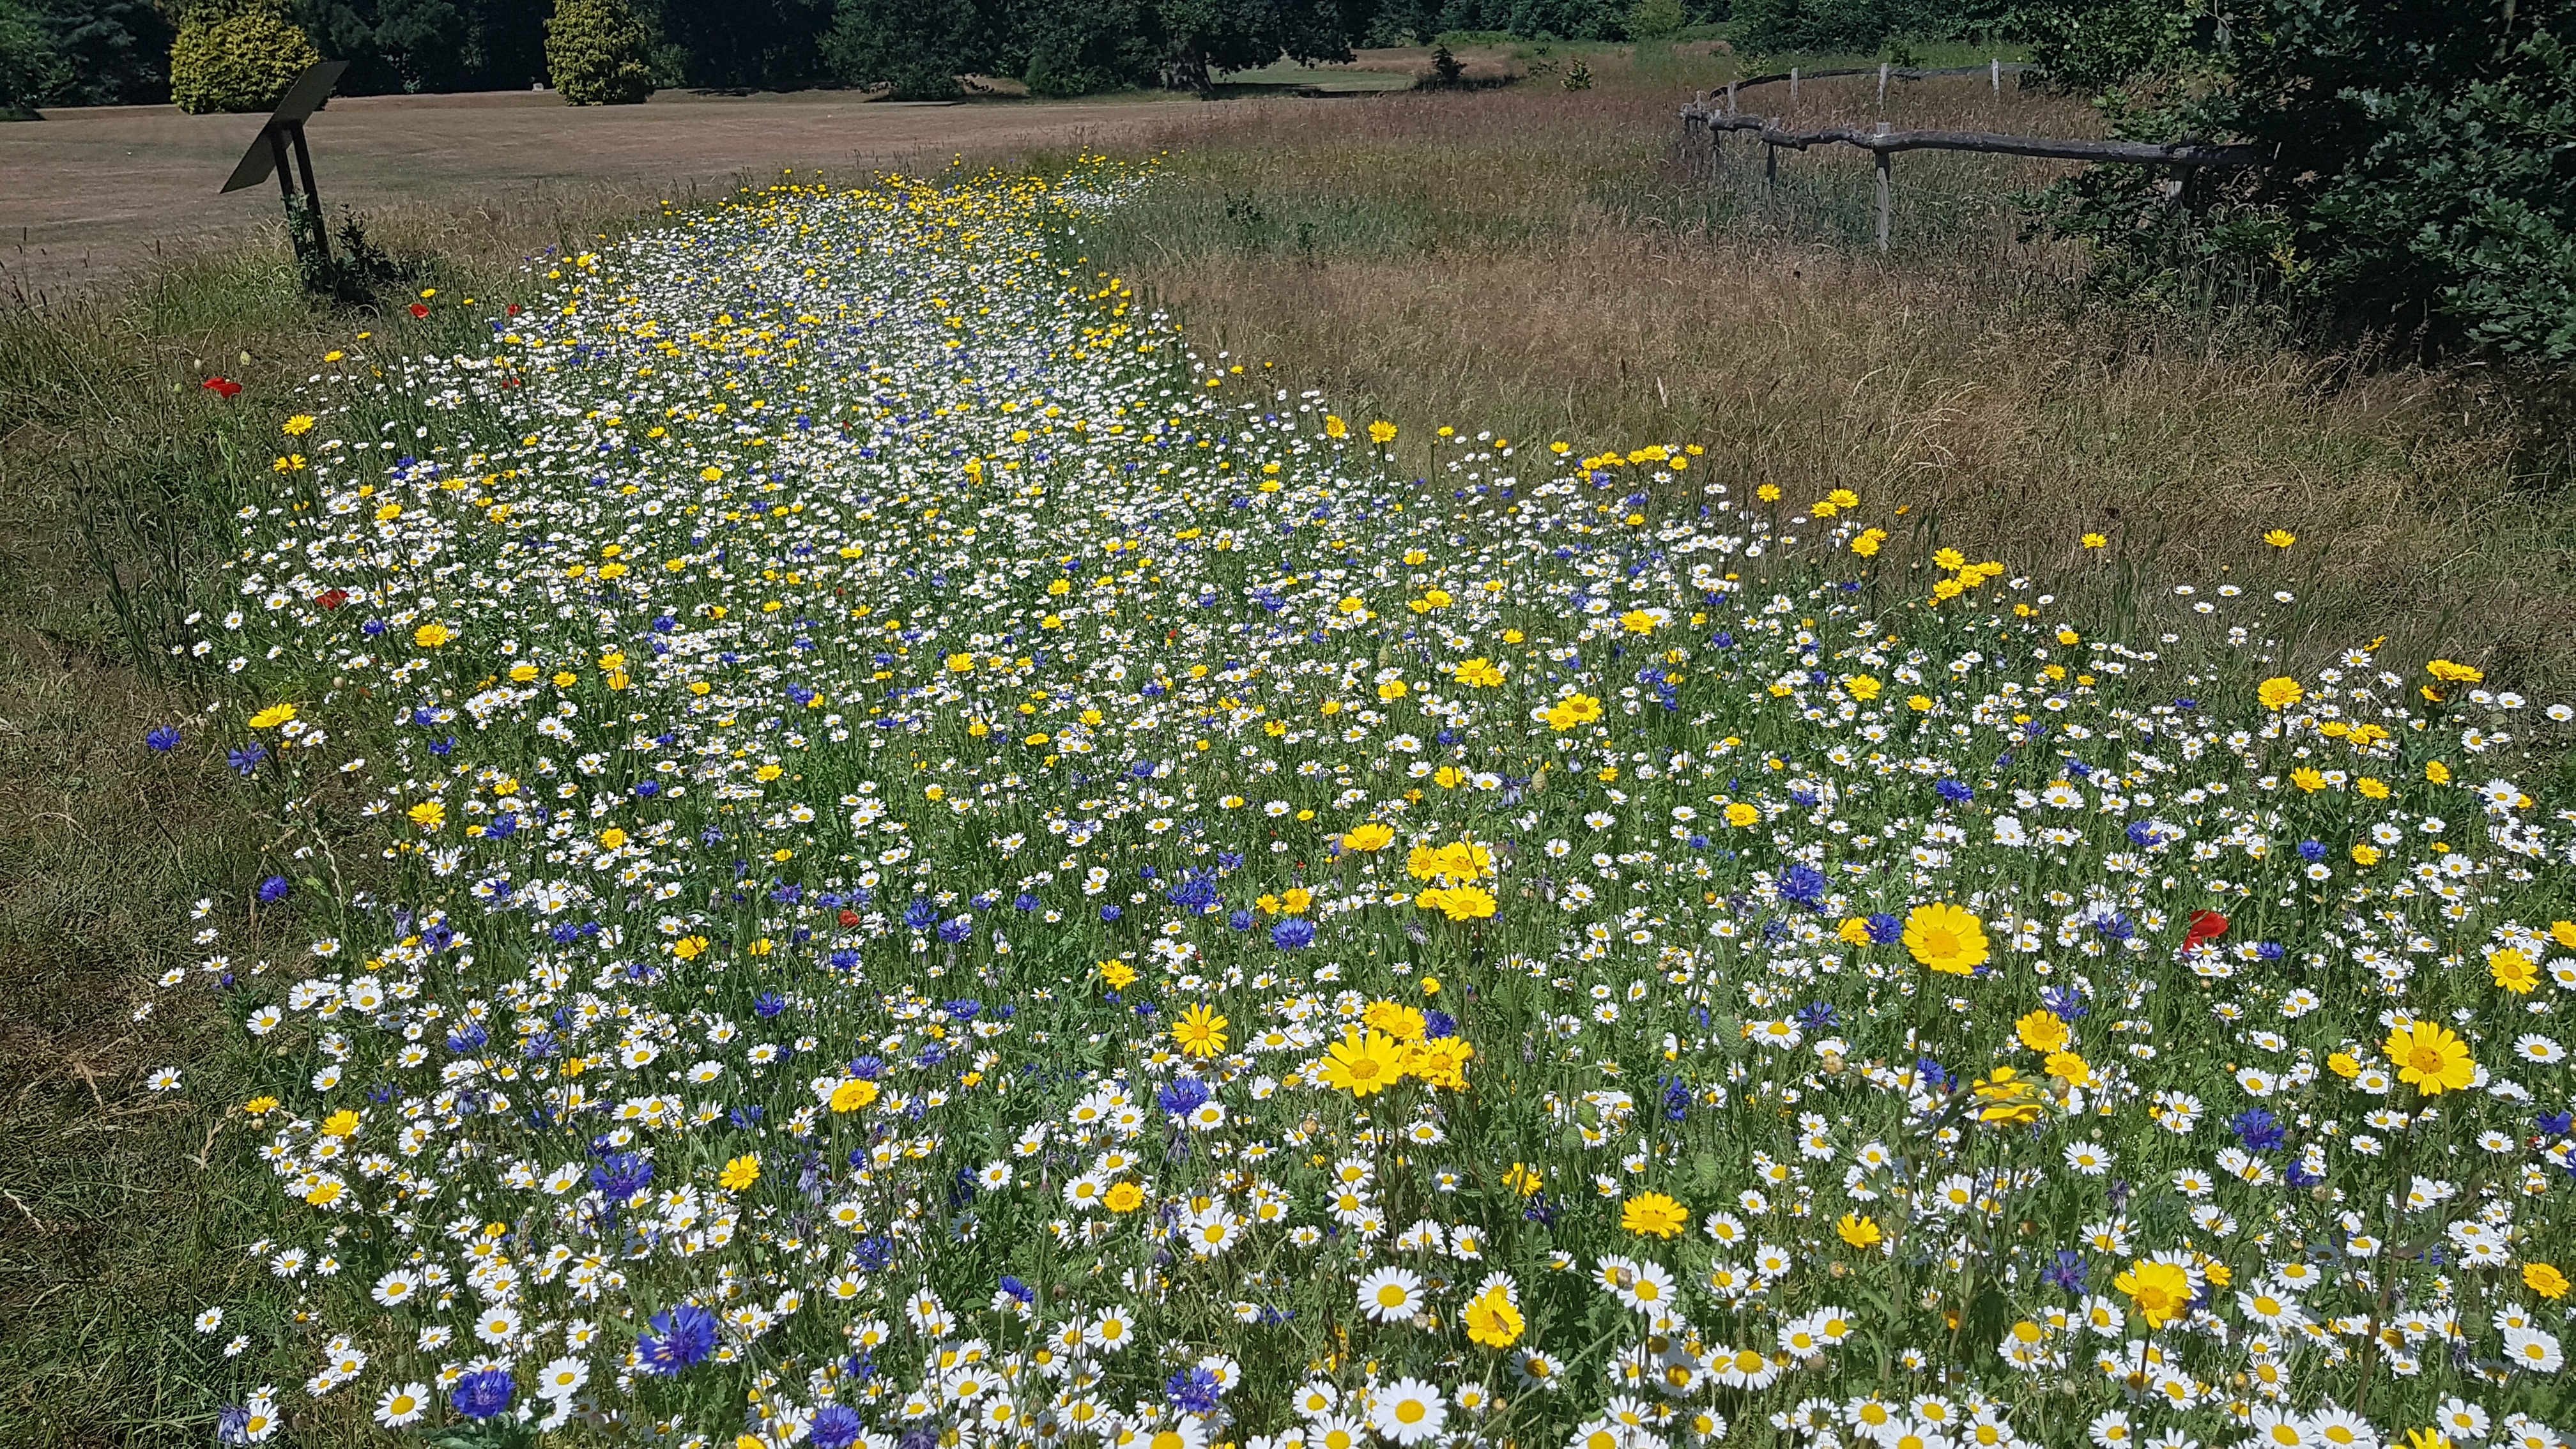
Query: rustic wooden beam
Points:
[1990, 142]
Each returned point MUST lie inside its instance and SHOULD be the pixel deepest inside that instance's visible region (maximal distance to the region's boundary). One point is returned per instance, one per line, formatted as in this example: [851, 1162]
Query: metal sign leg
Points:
[312, 196]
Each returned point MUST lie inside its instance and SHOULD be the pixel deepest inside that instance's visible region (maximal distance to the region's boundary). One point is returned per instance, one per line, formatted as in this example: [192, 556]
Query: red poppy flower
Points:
[222, 386]
[2206, 926]
[334, 599]
[419, 310]
[514, 309]
[849, 918]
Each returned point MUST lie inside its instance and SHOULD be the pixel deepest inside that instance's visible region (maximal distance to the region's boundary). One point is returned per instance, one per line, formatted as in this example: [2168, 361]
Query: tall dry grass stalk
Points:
[1547, 264]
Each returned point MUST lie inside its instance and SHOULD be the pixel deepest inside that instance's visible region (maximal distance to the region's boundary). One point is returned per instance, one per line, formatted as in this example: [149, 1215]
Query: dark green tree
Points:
[770, 45]
[1856, 25]
[918, 47]
[112, 52]
[1205, 37]
[29, 68]
[431, 45]
[1077, 47]
[2419, 176]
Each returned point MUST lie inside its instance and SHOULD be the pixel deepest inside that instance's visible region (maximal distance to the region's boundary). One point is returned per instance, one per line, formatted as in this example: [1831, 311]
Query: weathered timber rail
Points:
[1716, 115]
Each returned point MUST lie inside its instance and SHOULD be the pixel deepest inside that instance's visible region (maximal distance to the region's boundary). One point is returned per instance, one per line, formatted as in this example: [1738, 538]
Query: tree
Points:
[2418, 176]
[430, 45]
[918, 47]
[29, 68]
[1850, 25]
[1077, 47]
[1655, 19]
[774, 45]
[1202, 37]
[112, 52]
[598, 53]
[236, 55]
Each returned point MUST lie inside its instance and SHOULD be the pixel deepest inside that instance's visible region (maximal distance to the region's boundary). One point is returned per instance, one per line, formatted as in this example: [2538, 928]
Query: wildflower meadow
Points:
[898, 853]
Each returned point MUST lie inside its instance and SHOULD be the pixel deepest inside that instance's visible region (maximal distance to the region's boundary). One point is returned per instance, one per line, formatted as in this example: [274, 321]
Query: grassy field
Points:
[1530, 260]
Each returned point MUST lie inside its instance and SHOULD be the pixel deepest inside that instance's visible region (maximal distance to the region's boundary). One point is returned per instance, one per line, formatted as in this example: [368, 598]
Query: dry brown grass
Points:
[1550, 264]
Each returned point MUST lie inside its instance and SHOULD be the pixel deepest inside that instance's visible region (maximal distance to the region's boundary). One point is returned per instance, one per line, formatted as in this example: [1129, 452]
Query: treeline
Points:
[2420, 181]
[117, 52]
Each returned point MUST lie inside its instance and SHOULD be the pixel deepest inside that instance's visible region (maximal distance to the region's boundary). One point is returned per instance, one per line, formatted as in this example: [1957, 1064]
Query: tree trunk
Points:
[1188, 69]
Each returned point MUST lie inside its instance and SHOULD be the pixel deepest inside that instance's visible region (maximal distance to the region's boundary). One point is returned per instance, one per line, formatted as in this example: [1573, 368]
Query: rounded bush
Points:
[598, 53]
[236, 58]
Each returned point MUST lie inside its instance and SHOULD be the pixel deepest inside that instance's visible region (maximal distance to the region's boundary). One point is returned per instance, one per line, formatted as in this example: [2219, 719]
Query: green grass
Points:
[122, 1213]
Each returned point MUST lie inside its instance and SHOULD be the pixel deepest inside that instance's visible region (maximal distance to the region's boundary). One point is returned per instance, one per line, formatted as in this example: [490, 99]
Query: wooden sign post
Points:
[280, 147]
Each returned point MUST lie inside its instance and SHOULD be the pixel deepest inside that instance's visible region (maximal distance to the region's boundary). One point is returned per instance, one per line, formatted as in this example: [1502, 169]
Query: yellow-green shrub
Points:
[232, 57]
[598, 53]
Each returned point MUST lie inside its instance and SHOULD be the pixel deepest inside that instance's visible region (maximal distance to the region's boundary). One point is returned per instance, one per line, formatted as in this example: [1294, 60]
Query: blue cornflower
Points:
[1677, 1096]
[2556, 1124]
[1803, 884]
[620, 1176]
[482, 1395]
[768, 1004]
[1195, 894]
[1885, 929]
[1110, 913]
[957, 930]
[1957, 792]
[2312, 850]
[1240, 920]
[1192, 1391]
[2259, 1130]
[1816, 1015]
[1929, 1074]
[1184, 1096]
[1024, 902]
[163, 739]
[682, 1337]
[920, 915]
[1437, 1024]
[2066, 1271]
[1014, 1288]
[1293, 934]
[247, 758]
[2066, 1001]
[272, 890]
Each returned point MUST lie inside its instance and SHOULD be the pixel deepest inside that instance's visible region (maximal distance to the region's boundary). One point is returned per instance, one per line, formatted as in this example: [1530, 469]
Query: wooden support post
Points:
[1793, 85]
[1882, 88]
[1886, 163]
[1730, 98]
[1770, 166]
[1995, 70]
